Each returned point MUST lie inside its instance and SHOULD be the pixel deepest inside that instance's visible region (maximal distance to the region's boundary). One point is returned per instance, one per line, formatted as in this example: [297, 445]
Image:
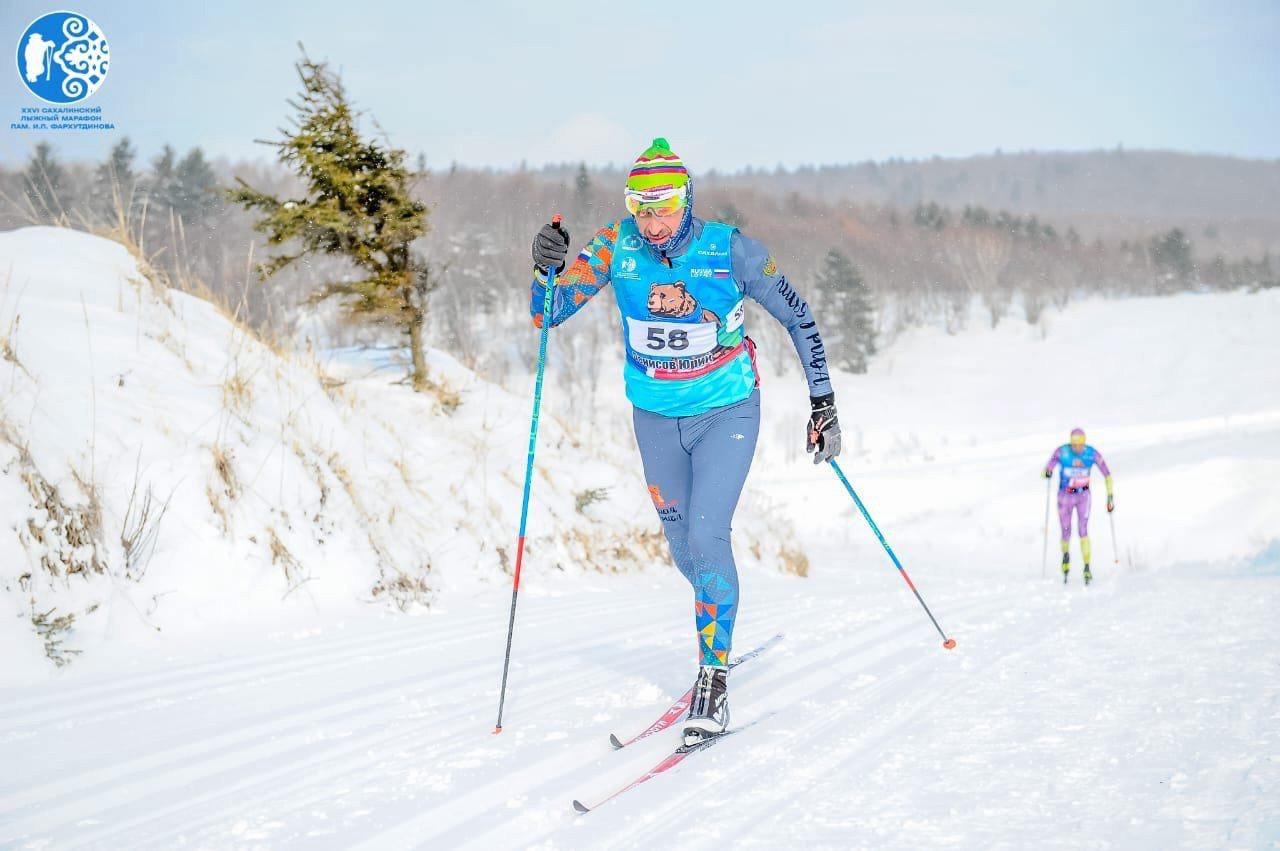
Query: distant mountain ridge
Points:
[1113, 193]
[1116, 182]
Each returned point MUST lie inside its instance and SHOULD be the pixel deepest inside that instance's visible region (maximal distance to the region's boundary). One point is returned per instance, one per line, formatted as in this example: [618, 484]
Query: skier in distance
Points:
[1075, 460]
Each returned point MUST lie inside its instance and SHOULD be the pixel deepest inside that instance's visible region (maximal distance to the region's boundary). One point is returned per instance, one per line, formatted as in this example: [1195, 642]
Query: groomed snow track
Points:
[1065, 718]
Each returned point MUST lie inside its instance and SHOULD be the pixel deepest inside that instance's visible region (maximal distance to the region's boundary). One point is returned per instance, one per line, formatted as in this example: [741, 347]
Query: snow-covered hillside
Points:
[1141, 712]
[165, 474]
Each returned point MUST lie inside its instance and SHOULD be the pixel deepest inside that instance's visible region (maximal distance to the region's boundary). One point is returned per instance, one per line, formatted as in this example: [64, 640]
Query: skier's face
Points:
[658, 229]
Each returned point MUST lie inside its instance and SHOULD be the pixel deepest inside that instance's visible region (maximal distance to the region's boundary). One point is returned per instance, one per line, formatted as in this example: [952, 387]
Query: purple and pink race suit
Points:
[1073, 485]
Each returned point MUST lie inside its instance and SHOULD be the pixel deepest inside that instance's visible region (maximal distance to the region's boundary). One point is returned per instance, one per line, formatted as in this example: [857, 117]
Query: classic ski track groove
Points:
[871, 653]
[809, 673]
[345, 768]
[287, 734]
[285, 764]
[890, 695]
[299, 741]
[352, 652]
[553, 791]
[867, 742]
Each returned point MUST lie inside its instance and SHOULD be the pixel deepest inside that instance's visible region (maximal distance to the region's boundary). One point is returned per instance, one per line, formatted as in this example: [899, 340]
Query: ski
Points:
[671, 761]
[678, 709]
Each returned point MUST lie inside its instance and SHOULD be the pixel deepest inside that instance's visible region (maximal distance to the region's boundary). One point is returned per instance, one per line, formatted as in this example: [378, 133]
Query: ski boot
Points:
[1066, 567]
[1088, 574]
[709, 709]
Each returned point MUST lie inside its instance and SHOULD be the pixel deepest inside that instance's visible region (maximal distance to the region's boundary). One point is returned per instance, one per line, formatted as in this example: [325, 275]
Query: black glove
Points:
[824, 428]
[550, 245]
[1048, 474]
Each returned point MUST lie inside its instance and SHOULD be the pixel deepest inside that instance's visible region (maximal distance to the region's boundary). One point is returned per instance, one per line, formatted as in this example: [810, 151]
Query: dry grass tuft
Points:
[281, 556]
[444, 393]
[221, 497]
[223, 466]
[8, 352]
[64, 538]
[402, 467]
[403, 590]
[584, 498]
[794, 561]
[53, 630]
[237, 394]
[126, 224]
[140, 530]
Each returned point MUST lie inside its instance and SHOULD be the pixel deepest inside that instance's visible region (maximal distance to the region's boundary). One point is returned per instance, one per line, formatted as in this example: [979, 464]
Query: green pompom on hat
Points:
[657, 169]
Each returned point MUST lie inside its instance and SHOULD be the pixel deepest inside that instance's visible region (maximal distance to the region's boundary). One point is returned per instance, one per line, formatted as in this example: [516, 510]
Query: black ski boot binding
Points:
[1066, 566]
[709, 709]
[1088, 574]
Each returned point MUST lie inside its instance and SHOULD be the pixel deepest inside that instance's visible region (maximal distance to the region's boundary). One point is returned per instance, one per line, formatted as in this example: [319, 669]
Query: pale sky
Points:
[730, 84]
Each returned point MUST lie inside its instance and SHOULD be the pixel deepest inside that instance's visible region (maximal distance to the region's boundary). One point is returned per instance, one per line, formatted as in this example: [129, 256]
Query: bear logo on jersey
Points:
[675, 301]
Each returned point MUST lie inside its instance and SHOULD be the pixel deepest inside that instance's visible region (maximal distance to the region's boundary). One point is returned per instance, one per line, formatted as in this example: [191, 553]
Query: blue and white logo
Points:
[63, 57]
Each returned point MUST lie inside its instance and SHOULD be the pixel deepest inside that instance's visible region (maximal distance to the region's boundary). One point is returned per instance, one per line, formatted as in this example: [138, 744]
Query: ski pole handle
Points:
[547, 300]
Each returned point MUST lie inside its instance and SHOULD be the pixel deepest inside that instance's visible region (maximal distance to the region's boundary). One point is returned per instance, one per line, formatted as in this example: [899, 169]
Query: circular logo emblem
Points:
[628, 264]
[63, 57]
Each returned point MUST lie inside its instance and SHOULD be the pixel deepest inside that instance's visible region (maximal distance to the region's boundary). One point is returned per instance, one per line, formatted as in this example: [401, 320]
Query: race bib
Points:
[735, 318]
[671, 339]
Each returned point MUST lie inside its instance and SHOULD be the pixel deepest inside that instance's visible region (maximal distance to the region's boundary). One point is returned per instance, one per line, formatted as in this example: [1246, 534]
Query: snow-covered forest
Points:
[983, 257]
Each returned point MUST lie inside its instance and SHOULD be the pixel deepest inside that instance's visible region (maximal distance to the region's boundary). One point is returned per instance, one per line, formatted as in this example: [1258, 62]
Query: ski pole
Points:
[1044, 559]
[528, 477]
[948, 643]
[1115, 548]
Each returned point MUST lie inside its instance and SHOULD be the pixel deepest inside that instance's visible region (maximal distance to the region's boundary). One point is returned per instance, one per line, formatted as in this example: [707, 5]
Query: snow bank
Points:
[162, 472]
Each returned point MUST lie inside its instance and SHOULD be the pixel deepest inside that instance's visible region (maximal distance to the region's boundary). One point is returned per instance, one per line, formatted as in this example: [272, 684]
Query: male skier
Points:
[1075, 460]
[691, 377]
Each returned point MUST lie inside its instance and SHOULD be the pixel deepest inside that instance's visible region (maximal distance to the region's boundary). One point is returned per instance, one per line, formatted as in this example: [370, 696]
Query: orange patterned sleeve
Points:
[586, 276]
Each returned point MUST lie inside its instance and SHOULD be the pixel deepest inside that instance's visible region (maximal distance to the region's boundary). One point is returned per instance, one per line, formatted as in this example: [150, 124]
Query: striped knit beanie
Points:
[657, 170]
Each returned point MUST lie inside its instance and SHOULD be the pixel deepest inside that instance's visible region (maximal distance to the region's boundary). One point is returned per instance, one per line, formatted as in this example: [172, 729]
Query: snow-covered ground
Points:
[1142, 712]
[278, 492]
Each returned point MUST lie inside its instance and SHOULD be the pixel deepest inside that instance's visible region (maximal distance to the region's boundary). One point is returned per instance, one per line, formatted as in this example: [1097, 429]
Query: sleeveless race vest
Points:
[1075, 466]
[682, 327]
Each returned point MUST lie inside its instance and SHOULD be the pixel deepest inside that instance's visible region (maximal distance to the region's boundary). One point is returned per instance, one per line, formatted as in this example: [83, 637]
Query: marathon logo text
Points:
[61, 118]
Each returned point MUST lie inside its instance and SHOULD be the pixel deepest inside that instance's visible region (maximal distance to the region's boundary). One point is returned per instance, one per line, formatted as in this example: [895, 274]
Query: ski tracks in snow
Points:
[1067, 717]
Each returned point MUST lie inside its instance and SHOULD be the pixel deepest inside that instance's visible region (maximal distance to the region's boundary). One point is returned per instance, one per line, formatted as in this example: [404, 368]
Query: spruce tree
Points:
[194, 186]
[114, 181]
[45, 183]
[185, 186]
[1172, 255]
[847, 297]
[162, 184]
[357, 205]
[582, 192]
